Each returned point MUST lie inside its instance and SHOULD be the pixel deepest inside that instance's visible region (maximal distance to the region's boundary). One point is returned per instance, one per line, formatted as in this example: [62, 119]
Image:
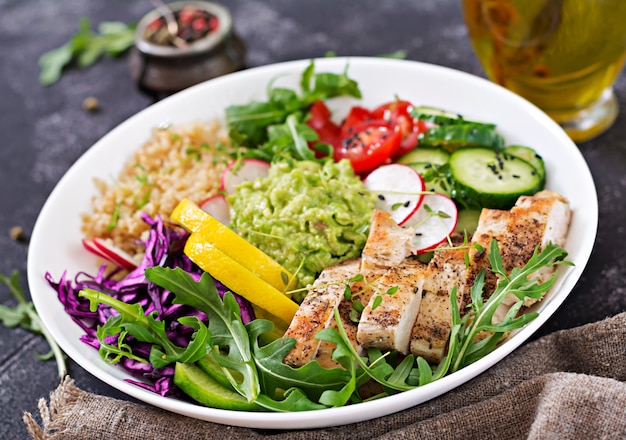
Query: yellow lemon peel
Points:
[236, 263]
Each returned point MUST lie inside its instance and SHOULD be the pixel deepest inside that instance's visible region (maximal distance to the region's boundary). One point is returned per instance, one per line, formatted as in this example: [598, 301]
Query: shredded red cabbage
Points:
[163, 247]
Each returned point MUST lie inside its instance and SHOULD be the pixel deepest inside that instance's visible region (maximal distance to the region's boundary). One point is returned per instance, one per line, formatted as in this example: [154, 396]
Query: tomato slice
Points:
[320, 120]
[357, 118]
[398, 113]
[368, 147]
[319, 115]
[366, 138]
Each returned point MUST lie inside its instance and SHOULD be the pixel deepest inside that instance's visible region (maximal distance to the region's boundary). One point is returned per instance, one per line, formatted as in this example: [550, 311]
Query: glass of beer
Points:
[562, 55]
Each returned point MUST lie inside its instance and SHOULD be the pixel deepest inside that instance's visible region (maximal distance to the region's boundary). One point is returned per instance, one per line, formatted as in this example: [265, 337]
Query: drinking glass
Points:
[562, 55]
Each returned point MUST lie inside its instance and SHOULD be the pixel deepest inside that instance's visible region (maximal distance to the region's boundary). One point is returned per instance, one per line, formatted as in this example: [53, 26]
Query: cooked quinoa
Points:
[176, 162]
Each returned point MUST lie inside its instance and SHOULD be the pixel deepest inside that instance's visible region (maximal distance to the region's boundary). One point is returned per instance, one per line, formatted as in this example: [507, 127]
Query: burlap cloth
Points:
[567, 385]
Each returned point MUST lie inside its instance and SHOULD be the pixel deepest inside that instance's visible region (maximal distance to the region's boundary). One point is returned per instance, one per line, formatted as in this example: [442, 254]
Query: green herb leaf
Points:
[85, 48]
[132, 320]
[25, 316]
[52, 63]
[274, 375]
[225, 324]
[377, 302]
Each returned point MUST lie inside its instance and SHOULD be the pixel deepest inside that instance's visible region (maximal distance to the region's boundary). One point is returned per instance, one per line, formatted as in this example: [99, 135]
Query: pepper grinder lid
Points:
[164, 69]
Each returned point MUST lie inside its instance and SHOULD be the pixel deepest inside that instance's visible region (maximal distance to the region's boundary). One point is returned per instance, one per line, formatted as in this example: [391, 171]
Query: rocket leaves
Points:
[248, 124]
[257, 371]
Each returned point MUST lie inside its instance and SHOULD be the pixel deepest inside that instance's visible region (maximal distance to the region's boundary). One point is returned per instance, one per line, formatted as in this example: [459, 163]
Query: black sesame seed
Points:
[381, 197]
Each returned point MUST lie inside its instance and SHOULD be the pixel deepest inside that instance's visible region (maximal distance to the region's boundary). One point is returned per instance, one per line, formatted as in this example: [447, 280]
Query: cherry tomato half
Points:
[398, 113]
[357, 119]
[319, 120]
[369, 146]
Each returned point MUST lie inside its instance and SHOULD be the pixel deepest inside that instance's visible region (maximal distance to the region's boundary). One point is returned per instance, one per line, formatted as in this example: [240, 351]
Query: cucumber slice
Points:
[434, 176]
[435, 156]
[209, 365]
[483, 177]
[530, 156]
[443, 117]
[204, 389]
[452, 137]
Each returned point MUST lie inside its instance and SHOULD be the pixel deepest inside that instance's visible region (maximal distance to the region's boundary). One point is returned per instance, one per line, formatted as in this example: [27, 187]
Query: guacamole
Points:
[306, 215]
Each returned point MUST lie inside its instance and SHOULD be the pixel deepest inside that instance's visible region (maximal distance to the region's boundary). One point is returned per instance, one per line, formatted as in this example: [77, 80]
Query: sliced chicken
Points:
[388, 325]
[316, 311]
[431, 330]
[533, 222]
[387, 245]
[421, 289]
[325, 352]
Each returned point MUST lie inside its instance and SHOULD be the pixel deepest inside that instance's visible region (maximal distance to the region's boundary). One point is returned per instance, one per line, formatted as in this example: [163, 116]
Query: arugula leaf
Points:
[25, 316]
[295, 400]
[519, 282]
[311, 378]
[288, 140]
[85, 48]
[146, 328]
[225, 324]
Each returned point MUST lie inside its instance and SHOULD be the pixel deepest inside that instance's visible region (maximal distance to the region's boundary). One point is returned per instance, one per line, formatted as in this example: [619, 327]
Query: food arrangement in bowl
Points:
[318, 242]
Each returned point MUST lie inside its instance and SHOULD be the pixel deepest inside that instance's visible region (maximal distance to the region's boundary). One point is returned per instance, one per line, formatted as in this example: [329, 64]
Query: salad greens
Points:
[276, 127]
[256, 371]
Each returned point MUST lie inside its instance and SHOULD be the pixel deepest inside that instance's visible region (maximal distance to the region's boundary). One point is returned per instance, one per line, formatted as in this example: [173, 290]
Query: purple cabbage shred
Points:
[163, 247]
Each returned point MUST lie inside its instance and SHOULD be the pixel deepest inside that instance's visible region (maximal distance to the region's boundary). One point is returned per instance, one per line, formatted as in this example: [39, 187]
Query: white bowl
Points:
[56, 239]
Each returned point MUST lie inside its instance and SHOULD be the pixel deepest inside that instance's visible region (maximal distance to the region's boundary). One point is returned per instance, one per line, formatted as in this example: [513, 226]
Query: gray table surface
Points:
[44, 130]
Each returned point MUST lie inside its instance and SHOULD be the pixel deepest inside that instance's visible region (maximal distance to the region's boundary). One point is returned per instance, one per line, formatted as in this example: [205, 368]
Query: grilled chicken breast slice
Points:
[387, 245]
[533, 222]
[388, 325]
[316, 311]
[431, 330]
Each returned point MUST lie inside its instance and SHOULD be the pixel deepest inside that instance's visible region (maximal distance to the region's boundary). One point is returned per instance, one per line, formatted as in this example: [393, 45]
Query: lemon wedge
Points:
[236, 263]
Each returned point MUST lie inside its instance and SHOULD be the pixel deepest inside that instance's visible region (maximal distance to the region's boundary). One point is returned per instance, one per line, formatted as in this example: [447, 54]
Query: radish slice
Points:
[433, 222]
[104, 249]
[218, 207]
[91, 247]
[239, 171]
[399, 188]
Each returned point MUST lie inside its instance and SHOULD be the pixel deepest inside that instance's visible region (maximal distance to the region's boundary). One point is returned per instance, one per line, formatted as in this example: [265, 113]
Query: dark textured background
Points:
[44, 130]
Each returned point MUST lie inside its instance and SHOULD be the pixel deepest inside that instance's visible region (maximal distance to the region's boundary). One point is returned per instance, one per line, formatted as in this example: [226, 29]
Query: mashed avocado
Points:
[306, 215]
